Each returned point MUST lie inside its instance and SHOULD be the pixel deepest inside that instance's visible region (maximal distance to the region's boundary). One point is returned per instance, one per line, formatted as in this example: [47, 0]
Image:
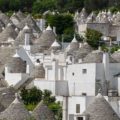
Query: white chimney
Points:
[54, 30]
[65, 108]
[55, 69]
[28, 69]
[27, 39]
[42, 24]
[106, 64]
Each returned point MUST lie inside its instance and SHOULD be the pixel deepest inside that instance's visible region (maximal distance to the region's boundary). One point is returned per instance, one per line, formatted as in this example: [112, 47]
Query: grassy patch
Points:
[30, 107]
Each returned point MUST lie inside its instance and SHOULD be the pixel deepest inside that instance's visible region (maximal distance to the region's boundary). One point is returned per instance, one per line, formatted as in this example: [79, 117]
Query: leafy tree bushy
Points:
[44, 5]
[93, 37]
[40, 6]
[61, 22]
[92, 5]
[33, 96]
[64, 25]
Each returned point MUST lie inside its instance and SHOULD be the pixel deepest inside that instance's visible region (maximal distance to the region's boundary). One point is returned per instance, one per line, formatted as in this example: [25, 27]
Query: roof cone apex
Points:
[55, 44]
[99, 95]
[16, 55]
[16, 101]
[26, 27]
[99, 48]
[49, 28]
[9, 24]
[14, 13]
[74, 39]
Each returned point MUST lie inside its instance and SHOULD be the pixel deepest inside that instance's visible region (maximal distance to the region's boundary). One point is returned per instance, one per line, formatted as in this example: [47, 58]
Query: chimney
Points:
[54, 30]
[27, 39]
[106, 64]
[55, 69]
[65, 108]
[42, 24]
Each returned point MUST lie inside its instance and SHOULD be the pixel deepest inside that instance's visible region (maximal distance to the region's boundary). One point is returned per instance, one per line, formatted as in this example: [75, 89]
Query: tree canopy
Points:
[93, 37]
[40, 6]
[33, 96]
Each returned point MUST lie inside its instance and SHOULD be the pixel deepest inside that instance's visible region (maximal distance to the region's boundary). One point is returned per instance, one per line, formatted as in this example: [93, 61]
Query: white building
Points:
[105, 22]
[73, 74]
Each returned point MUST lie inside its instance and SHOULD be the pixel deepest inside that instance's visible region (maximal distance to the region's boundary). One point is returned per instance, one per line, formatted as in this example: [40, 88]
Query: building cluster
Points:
[105, 22]
[74, 72]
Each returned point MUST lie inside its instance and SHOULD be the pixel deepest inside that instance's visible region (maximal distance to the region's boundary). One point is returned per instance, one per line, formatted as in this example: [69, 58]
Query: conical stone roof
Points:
[39, 71]
[15, 19]
[2, 26]
[116, 56]
[8, 32]
[20, 15]
[4, 18]
[84, 50]
[31, 23]
[20, 39]
[1, 107]
[7, 95]
[74, 45]
[83, 13]
[100, 109]
[46, 39]
[16, 111]
[42, 112]
[6, 54]
[17, 65]
[96, 57]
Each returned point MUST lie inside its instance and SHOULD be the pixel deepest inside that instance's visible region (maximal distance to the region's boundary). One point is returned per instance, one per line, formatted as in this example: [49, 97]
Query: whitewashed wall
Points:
[14, 78]
[81, 83]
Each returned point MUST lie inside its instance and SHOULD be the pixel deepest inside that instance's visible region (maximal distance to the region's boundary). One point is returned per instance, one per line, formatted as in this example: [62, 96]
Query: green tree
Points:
[26, 5]
[92, 5]
[32, 96]
[114, 9]
[61, 22]
[73, 5]
[44, 5]
[115, 3]
[4, 5]
[14, 5]
[57, 110]
[24, 95]
[64, 25]
[48, 98]
[50, 101]
[68, 34]
[93, 37]
[61, 3]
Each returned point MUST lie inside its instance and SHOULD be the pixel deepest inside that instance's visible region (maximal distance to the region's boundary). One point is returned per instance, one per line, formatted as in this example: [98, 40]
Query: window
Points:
[84, 94]
[73, 73]
[77, 108]
[84, 71]
[38, 61]
[79, 118]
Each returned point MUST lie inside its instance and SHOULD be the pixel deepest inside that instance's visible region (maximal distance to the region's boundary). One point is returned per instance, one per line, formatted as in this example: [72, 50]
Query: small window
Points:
[84, 94]
[73, 73]
[77, 108]
[70, 58]
[79, 118]
[84, 71]
[38, 61]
